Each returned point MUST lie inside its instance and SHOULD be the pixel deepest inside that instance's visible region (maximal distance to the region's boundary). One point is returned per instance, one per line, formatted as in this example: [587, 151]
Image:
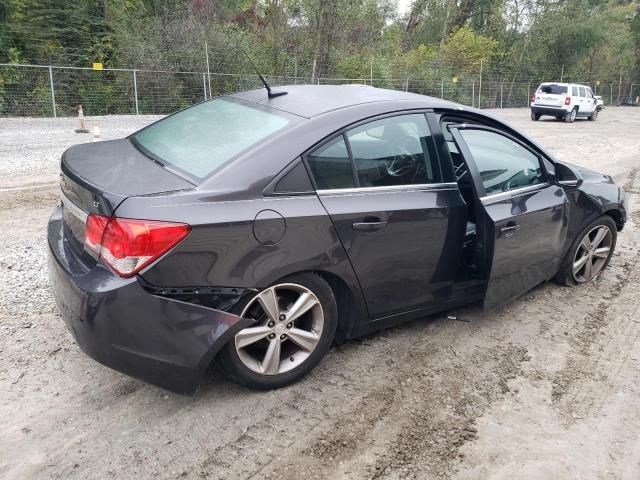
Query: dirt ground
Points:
[547, 387]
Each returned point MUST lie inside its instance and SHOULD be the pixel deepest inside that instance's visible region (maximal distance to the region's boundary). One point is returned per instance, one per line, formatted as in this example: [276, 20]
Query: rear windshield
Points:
[202, 138]
[553, 88]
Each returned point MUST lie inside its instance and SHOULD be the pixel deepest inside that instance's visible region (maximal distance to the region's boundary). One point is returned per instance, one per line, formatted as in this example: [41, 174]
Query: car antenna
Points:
[270, 94]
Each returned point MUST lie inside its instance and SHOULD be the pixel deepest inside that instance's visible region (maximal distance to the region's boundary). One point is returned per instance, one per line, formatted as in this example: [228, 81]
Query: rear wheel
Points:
[571, 116]
[296, 321]
[590, 253]
[535, 116]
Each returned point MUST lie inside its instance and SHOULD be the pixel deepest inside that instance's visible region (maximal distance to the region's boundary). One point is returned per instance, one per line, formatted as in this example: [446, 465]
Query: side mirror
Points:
[567, 176]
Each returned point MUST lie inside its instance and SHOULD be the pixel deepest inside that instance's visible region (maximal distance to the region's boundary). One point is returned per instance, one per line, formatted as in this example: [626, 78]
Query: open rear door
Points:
[522, 213]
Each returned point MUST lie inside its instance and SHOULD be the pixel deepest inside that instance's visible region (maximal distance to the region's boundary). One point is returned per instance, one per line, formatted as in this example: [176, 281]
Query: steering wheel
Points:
[401, 164]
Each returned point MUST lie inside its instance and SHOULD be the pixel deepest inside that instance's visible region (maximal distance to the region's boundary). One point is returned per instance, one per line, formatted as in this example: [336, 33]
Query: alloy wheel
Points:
[289, 322]
[592, 254]
[573, 114]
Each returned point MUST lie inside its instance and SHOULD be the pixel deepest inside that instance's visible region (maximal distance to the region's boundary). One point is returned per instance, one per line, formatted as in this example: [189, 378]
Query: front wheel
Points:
[590, 253]
[535, 116]
[295, 324]
[594, 115]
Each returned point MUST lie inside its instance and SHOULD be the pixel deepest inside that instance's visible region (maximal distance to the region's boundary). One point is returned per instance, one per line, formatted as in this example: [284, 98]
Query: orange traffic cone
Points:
[81, 126]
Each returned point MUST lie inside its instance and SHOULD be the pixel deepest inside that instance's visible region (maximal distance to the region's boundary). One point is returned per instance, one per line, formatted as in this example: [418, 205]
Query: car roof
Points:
[561, 84]
[312, 100]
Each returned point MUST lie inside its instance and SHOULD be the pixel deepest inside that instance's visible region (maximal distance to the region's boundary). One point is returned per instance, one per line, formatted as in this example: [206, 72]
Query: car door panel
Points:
[407, 258]
[528, 231]
[525, 228]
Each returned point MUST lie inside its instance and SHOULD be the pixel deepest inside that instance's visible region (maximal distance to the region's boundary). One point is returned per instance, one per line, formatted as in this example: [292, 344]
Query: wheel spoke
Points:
[602, 252]
[269, 303]
[304, 339]
[600, 234]
[303, 304]
[271, 361]
[588, 274]
[251, 335]
[586, 243]
[578, 264]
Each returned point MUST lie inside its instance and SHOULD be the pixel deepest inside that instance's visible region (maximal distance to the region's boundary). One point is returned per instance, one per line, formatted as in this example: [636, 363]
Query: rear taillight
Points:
[567, 100]
[533, 98]
[129, 245]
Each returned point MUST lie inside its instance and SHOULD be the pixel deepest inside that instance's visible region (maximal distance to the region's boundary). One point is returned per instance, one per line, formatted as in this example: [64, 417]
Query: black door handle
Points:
[369, 226]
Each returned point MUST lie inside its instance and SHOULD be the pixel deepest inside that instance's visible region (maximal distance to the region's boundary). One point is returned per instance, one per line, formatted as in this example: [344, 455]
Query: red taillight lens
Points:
[567, 100]
[533, 98]
[129, 245]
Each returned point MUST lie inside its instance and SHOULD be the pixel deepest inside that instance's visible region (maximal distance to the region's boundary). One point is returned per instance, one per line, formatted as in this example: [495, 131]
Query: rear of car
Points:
[553, 99]
[98, 260]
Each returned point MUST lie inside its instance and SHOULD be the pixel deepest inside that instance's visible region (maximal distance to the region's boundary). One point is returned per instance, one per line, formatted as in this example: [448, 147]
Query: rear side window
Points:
[503, 163]
[331, 166]
[393, 151]
[574, 91]
[554, 89]
[200, 139]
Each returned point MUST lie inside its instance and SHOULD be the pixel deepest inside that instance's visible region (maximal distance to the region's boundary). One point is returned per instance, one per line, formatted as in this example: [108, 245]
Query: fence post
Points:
[611, 94]
[406, 85]
[442, 89]
[135, 89]
[204, 85]
[500, 95]
[473, 93]
[528, 94]
[53, 95]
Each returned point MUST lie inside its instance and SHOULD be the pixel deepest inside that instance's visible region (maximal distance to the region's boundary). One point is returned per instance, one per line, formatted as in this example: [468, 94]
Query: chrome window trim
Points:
[496, 197]
[73, 208]
[391, 189]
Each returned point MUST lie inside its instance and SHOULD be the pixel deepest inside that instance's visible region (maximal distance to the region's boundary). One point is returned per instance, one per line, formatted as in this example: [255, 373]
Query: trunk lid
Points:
[97, 177]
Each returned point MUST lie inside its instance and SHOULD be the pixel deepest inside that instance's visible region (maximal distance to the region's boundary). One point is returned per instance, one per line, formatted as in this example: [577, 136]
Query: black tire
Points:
[570, 117]
[594, 115]
[235, 368]
[535, 116]
[565, 274]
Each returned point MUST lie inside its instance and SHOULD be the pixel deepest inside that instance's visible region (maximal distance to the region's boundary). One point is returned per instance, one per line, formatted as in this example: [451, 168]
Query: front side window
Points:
[331, 166]
[503, 163]
[200, 139]
[393, 151]
[582, 92]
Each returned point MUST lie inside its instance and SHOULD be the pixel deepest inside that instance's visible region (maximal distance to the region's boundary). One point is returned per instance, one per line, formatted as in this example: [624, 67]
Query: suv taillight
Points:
[533, 98]
[567, 100]
[129, 245]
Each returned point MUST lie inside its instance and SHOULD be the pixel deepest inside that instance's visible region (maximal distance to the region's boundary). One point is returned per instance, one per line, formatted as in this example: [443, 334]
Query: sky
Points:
[403, 6]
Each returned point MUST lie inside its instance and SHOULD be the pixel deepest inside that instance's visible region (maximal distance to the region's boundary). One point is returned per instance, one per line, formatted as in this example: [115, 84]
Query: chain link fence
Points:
[45, 91]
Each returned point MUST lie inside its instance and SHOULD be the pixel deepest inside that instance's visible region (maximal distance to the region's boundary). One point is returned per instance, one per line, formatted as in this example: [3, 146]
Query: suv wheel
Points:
[594, 115]
[571, 116]
[535, 116]
[296, 321]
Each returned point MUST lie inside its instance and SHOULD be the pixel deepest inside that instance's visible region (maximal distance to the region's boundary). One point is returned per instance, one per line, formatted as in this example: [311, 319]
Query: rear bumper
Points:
[115, 321]
[554, 111]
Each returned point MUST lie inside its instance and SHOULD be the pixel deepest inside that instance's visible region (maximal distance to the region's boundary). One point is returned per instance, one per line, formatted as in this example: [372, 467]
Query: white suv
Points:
[564, 101]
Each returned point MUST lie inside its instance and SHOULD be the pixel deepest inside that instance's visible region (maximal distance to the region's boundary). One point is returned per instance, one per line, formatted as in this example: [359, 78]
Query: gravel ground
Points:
[547, 387]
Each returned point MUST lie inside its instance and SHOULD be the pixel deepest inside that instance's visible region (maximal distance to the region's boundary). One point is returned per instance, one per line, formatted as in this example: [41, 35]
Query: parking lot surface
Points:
[546, 387]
